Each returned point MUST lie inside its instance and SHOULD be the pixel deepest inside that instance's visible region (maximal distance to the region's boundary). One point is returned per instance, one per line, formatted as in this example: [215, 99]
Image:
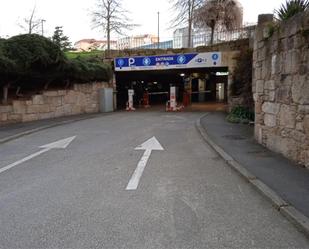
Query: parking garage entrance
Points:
[197, 78]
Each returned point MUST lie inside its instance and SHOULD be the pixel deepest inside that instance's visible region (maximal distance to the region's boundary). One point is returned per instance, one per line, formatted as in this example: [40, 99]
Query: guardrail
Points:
[181, 41]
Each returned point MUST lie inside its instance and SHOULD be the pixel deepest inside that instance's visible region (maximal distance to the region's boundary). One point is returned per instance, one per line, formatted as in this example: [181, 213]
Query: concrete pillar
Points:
[265, 18]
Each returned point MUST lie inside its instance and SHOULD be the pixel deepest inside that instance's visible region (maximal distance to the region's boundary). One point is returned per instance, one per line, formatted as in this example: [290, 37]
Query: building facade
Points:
[136, 41]
[93, 44]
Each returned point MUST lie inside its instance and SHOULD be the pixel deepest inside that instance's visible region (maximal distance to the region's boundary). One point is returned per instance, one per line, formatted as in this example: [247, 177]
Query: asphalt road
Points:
[187, 196]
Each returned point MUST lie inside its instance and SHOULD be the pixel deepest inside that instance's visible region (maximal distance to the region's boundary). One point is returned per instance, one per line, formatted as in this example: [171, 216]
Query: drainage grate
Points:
[259, 153]
[234, 137]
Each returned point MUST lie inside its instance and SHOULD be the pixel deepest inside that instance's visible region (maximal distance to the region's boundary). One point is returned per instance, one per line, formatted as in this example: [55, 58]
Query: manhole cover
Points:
[234, 137]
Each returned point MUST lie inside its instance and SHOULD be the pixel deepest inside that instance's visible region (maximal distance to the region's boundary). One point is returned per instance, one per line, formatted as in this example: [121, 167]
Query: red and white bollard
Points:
[130, 106]
[171, 105]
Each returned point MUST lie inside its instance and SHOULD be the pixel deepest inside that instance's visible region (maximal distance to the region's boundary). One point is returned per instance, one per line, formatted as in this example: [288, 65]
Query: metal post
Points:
[42, 22]
[158, 30]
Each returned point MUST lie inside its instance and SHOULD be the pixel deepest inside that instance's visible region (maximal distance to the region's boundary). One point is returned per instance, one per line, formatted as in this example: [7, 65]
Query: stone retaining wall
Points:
[82, 98]
[281, 87]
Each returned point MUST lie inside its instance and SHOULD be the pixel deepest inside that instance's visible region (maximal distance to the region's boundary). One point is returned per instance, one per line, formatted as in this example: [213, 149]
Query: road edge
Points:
[45, 127]
[299, 220]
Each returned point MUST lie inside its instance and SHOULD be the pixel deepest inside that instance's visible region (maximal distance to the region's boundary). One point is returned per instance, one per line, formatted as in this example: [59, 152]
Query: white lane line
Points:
[61, 144]
[133, 183]
[23, 160]
[150, 145]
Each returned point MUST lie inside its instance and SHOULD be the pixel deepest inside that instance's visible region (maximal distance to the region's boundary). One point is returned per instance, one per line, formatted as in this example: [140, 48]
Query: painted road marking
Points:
[61, 144]
[150, 145]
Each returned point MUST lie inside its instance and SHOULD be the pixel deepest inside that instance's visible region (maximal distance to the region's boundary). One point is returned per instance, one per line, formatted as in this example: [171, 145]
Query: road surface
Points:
[78, 197]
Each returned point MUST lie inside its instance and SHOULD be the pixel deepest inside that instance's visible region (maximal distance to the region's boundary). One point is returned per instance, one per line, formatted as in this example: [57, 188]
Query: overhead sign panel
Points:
[163, 62]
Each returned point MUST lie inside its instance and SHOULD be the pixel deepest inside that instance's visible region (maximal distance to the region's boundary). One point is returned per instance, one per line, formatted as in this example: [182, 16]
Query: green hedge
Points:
[82, 70]
[33, 61]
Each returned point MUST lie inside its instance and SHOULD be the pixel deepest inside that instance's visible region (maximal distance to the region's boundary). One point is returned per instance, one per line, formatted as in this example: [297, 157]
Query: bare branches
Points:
[186, 14]
[31, 24]
[185, 10]
[111, 18]
[219, 15]
[224, 14]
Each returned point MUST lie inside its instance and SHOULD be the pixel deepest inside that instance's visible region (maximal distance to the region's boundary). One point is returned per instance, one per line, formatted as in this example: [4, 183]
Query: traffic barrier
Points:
[176, 109]
[146, 100]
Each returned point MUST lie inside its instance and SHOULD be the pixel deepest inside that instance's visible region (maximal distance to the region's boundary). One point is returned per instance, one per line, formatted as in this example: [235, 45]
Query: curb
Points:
[287, 210]
[45, 127]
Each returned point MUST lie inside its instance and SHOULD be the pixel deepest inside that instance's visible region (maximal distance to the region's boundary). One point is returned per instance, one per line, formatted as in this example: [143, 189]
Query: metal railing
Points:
[181, 41]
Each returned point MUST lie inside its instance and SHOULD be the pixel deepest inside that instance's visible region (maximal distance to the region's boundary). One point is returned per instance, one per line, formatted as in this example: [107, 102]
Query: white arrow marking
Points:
[148, 146]
[61, 144]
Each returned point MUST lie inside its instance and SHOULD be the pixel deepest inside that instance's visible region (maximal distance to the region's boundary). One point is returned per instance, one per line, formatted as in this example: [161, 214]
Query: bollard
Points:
[130, 106]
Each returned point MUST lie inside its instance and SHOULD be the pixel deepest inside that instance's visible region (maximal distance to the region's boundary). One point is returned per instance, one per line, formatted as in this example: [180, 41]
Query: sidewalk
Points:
[13, 131]
[287, 180]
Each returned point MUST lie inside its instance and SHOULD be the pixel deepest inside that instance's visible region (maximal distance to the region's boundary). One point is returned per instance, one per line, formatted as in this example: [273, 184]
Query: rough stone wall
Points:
[281, 87]
[82, 98]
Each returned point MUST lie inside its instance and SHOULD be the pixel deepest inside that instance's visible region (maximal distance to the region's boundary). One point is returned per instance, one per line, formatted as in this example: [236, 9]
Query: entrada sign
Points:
[175, 61]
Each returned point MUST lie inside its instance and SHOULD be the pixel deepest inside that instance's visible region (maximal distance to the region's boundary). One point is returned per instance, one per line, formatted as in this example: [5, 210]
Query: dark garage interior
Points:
[201, 84]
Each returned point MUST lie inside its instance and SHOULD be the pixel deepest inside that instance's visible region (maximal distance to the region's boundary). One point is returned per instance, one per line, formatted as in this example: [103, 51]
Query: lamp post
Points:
[158, 30]
[42, 23]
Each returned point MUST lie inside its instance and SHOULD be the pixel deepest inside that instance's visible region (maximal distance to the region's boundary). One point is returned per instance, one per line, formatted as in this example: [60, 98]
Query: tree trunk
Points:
[212, 26]
[190, 20]
[18, 92]
[47, 85]
[108, 41]
[5, 93]
[108, 30]
[190, 34]
[67, 85]
[212, 35]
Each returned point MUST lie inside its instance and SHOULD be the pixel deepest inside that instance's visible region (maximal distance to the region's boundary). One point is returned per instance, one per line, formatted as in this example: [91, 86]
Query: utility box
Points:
[106, 100]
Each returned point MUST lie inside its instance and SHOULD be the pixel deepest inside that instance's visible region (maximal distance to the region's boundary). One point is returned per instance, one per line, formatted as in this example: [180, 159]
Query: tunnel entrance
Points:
[202, 86]
[206, 83]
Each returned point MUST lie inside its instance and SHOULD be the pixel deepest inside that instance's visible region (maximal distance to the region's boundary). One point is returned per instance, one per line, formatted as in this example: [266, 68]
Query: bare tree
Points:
[31, 24]
[220, 15]
[186, 10]
[112, 18]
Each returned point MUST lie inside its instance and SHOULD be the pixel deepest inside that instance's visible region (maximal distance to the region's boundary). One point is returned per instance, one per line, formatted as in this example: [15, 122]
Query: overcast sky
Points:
[74, 16]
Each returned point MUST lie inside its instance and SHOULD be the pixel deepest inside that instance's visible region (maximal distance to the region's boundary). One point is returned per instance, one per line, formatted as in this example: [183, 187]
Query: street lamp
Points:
[42, 23]
[158, 30]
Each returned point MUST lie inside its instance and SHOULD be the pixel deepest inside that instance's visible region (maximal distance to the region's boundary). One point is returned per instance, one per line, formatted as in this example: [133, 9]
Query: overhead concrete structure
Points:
[204, 73]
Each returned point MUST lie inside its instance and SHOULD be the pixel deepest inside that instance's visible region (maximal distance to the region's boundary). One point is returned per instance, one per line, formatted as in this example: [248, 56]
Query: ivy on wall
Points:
[242, 78]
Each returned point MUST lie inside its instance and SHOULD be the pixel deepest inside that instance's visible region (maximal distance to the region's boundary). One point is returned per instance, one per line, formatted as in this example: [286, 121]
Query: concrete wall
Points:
[82, 98]
[281, 87]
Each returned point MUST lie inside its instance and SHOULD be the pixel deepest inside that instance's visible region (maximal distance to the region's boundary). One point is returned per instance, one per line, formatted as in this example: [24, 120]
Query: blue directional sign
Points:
[193, 60]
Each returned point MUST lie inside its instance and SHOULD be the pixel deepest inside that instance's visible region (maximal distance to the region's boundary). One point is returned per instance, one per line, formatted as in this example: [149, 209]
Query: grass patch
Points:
[85, 55]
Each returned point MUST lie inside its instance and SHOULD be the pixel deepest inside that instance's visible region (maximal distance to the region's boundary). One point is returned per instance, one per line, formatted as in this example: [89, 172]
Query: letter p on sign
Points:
[131, 61]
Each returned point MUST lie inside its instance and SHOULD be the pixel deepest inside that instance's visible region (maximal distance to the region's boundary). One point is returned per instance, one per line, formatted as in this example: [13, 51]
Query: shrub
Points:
[291, 8]
[81, 70]
[33, 62]
[241, 114]
[37, 59]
